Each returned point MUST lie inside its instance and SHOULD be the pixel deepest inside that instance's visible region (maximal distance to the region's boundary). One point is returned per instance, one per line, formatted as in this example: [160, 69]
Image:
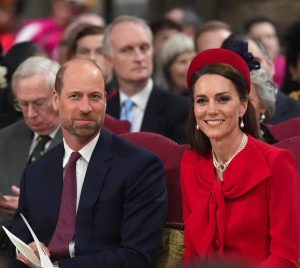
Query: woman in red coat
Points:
[240, 195]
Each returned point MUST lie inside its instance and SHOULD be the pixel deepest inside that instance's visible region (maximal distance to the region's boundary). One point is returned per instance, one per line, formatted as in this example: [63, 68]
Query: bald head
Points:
[75, 66]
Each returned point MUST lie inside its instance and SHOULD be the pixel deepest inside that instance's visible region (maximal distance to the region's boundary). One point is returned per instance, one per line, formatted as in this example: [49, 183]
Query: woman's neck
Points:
[224, 149]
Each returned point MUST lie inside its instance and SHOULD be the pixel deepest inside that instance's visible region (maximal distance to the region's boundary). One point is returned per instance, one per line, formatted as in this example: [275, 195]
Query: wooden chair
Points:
[170, 154]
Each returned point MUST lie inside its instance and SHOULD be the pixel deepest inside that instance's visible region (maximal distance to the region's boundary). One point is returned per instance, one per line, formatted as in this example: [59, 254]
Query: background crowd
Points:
[144, 67]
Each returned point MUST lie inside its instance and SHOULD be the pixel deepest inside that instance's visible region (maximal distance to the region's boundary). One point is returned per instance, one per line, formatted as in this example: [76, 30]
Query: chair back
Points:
[293, 145]
[170, 154]
[286, 129]
[116, 126]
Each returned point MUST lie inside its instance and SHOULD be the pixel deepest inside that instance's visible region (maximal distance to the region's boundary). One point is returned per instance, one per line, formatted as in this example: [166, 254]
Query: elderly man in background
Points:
[25, 141]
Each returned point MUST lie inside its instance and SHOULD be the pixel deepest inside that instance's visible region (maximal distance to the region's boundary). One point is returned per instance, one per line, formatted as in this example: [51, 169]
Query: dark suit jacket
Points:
[122, 206]
[165, 113]
[15, 142]
[285, 108]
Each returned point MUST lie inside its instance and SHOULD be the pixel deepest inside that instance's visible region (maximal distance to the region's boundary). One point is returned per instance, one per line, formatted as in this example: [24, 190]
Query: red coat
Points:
[252, 215]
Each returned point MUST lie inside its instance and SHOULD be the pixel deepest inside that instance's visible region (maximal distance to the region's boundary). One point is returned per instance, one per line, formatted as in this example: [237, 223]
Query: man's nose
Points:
[31, 112]
[85, 106]
[138, 54]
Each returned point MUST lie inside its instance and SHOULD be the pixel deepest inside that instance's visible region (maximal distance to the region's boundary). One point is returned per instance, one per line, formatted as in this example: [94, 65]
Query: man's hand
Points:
[9, 203]
[23, 259]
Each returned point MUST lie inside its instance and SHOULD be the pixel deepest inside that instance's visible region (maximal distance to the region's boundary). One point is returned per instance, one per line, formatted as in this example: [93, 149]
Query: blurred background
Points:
[235, 12]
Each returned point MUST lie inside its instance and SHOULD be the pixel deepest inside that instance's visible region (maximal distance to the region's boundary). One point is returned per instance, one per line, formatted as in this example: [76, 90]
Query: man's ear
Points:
[55, 100]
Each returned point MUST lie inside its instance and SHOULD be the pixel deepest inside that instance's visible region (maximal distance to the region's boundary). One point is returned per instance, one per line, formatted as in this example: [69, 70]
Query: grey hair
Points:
[177, 44]
[36, 65]
[106, 48]
[265, 89]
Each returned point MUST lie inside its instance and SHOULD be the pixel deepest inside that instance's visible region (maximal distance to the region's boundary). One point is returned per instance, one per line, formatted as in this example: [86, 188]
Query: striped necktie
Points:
[39, 149]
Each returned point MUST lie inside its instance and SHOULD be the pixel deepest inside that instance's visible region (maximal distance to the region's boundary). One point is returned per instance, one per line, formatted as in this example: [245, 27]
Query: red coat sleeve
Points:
[284, 204]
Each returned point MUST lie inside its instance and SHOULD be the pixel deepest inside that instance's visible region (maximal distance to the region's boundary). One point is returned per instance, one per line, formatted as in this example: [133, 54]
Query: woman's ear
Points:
[243, 109]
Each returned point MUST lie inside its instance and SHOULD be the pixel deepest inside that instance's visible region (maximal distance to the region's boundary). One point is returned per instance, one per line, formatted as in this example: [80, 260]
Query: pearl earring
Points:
[242, 123]
[197, 127]
[262, 117]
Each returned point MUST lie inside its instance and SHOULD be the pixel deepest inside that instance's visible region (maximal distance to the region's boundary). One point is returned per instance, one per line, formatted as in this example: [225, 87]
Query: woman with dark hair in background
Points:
[240, 195]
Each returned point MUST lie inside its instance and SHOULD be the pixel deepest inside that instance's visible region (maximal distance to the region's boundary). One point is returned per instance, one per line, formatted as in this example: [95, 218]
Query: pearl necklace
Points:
[221, 167]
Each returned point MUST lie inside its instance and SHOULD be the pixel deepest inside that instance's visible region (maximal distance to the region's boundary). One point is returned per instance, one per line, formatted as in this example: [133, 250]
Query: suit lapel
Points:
[113, 106]
[56, 140]
[153, 113]
[52, 184]
[98, 167]
[19, 149]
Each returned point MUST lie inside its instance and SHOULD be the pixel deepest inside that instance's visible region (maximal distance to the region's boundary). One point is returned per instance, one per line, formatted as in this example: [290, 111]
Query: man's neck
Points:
[131, 88]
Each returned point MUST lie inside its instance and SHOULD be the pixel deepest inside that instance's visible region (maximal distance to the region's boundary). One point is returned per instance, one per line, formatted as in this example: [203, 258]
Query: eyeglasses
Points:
[37, 105]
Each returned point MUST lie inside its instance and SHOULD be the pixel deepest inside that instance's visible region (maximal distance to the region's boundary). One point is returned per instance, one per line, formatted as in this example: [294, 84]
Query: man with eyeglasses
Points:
[25, 141]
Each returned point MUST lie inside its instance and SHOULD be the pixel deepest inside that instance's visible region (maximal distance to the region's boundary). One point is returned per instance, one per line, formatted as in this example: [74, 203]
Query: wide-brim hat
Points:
[219, 56]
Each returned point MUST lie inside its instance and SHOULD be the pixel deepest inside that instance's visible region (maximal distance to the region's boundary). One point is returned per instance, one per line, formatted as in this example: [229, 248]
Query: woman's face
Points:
[178, 70]
[217, 107]
[258, 106]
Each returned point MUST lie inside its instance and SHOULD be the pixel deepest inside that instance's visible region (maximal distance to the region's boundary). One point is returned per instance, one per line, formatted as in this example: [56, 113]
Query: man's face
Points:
[132, 52]
[35, 101]
[81, 102]
[266, 32]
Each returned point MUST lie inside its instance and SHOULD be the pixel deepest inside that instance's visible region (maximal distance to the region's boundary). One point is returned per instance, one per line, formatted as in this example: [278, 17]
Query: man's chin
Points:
[85, 132]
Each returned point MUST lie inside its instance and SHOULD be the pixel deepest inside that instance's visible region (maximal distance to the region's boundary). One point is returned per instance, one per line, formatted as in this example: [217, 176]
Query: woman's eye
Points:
[224, 99]
[201, 101]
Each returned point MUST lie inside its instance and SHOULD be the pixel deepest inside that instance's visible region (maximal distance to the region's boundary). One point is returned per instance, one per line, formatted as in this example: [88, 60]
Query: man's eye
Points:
[96, 97]
[73, 96]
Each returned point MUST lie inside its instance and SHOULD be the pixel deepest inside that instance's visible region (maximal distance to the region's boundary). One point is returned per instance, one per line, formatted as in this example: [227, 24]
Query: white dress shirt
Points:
[140, 102]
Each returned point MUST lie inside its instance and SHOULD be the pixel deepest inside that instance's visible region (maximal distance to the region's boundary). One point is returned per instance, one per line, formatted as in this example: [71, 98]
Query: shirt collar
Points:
[85, 152]
[51, 135]
[140, 99]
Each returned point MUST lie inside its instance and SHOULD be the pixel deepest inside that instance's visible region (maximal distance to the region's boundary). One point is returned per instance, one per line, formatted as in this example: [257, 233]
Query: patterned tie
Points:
[127, 110]
[65, 227]
[39, 149]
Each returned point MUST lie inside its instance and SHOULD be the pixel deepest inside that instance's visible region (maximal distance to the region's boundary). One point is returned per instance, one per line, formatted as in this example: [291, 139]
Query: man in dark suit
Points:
[33, 83]
[128, 45]
[121, 195]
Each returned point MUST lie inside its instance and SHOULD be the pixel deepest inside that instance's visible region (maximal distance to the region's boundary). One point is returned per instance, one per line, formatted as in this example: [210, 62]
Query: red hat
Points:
[219, 55]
